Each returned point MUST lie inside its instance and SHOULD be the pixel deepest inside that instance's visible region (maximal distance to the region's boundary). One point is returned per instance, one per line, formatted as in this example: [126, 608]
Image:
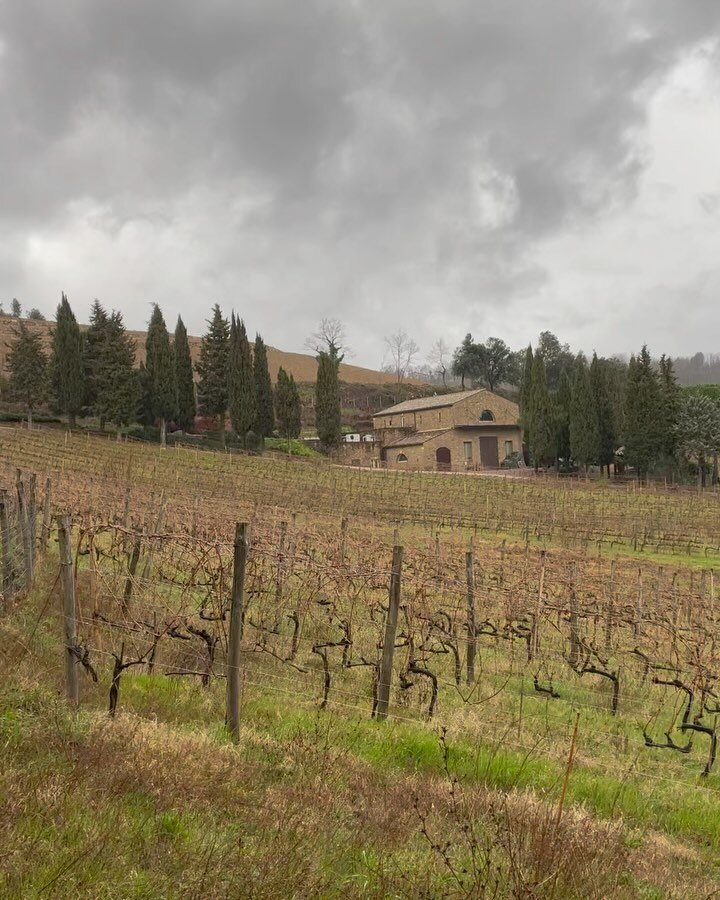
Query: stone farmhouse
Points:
[465, 431]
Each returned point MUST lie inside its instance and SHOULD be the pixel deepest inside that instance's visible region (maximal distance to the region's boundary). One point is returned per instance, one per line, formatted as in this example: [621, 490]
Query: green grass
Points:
[297, 448]
[681, 809]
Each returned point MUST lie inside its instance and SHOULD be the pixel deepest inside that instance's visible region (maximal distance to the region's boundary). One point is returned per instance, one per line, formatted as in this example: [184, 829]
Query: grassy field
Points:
[571, 765]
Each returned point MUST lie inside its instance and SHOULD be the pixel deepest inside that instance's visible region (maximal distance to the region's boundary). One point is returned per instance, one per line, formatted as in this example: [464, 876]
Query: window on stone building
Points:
[401, 457]
[467, 449]
[508, 448]
[487, 416]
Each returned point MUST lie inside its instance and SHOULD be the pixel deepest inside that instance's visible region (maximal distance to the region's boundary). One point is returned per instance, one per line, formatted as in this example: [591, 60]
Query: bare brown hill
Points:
[301, 366]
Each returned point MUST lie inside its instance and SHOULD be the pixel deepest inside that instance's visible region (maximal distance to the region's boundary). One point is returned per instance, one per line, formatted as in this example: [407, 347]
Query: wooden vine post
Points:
[69, 623]
[535, 637]
[7, 573]
[237, 602]
[472, 637]
[26, 526]
[388, 650]
[47, 510]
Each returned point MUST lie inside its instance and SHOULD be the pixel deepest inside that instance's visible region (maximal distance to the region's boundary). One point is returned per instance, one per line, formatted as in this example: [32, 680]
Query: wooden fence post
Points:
[535, 646]
[472, 638]
[610, 608]
[7, 572]
[237, 602]
[574, 653]
[132, 569]
[25, 526]
[47, 500]
[159, 525]
[69, 624]
[385, 677]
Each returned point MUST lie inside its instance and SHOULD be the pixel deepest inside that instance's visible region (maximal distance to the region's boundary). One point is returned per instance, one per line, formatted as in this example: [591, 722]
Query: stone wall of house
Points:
[424, 456]
[362, 453]
[464, 412]
[504, 411]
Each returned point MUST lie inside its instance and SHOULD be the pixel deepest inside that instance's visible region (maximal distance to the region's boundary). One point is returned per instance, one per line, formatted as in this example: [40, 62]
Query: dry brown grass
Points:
[297, 818]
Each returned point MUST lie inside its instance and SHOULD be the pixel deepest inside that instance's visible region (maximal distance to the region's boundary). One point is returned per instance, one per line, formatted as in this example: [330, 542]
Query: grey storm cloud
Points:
[385, 162]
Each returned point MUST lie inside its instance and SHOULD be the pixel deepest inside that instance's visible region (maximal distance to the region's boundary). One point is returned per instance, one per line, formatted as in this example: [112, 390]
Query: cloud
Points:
[405, 163]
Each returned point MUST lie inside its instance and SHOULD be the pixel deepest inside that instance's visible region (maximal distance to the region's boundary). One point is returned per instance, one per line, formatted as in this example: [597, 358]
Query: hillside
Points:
[444, 766]
[301, 366]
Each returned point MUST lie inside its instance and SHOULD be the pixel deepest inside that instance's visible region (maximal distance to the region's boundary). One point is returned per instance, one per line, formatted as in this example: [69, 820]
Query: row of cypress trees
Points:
[600, 408]
[235, 380]
[94, 373]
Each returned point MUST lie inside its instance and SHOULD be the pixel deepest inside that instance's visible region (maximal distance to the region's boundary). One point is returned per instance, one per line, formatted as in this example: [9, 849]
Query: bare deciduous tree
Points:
[439, 359]
[330, 336]
[402, 351]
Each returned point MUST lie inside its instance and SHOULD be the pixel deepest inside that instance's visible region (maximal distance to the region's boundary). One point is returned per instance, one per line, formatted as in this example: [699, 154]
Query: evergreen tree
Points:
[66, 363]
[241, 384]
[607, 436]
[28, 365]
[496, 362]
[119, 383]
[184, 385]
[525, 394]
[468, 360]
[562, 400]
[264, 414]
[616, 378]
[287, 407]
[213, 369]
[95, 338]
[557, 357]
[16, 309]
[669, 406]
[584, 432]
[697, 429]
[327, 398]
[159, 372]
[540, 414]
[643, 414]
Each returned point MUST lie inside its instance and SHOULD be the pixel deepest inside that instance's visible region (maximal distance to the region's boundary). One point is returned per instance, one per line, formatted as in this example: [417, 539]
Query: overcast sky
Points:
[493, 166]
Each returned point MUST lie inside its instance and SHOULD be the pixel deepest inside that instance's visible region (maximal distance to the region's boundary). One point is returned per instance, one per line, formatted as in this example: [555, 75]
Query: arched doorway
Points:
[442, 458]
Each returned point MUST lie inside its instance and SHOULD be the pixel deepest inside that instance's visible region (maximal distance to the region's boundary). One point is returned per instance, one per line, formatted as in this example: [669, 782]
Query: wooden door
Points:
[489, 453]
[442, 458]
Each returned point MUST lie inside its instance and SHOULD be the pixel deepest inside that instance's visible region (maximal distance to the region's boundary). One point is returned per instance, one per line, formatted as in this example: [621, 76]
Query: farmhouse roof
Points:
[418, 437]
[436, 402]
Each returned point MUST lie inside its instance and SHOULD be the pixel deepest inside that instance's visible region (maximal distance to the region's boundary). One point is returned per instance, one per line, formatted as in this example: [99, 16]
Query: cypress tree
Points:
[66, 363]
[212, 367]
[616, 379]
[643, 414]
[669, 407]
[584, 432]
[287, 407]
[119, 382]
[264, 414]
[95, 338]
[525, 394]
[607, 436]
[563, 399]
[540, 414]
[184, 385]
[327, 398]
[241, 387]
[28, 366]
[159, 372]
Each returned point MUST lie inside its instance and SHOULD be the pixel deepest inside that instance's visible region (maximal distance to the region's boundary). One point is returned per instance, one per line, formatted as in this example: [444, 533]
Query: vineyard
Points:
[522, 675]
